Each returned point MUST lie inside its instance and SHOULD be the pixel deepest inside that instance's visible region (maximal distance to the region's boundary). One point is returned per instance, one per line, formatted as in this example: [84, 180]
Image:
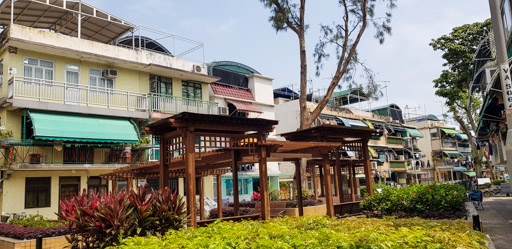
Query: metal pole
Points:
[503, 66]
[79, 19]
[12, 11]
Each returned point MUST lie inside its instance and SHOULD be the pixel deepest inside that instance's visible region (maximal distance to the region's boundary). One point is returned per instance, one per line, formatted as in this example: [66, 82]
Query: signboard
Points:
[482, 181]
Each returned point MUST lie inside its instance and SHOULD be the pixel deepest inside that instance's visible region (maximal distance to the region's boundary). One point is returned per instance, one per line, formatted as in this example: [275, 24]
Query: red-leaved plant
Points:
[100, 221]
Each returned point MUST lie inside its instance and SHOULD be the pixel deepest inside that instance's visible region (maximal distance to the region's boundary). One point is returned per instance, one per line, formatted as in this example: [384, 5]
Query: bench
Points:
[203, 223]
[277, 208]
[347, 208]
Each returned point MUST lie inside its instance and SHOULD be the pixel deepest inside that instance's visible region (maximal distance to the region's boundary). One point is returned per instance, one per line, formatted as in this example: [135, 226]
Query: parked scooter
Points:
[503, 190]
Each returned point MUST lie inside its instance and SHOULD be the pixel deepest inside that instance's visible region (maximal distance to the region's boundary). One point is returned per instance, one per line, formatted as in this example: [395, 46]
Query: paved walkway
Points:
[497, 220]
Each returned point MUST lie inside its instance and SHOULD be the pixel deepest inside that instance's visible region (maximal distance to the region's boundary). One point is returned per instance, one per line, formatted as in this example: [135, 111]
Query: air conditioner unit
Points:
[374, 165]
[197, 68]
[110, 73]
[223, 110]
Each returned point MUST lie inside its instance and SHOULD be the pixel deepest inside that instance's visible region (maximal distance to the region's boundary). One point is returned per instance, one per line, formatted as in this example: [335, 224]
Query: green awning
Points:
[414, 133]
[450, 131]
[69, 127]
[360, 176]
[466, 153]
[462, 137]
[452, 153]
[470, 173]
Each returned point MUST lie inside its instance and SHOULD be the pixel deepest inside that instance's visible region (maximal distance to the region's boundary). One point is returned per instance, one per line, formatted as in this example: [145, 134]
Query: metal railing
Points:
[68, 93]
[172, 104]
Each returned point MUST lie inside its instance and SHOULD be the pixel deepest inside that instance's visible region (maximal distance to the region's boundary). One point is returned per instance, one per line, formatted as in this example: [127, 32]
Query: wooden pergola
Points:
[197, 145]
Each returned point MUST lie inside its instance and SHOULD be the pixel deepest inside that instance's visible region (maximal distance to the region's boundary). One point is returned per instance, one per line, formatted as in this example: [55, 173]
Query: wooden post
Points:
[201, 198]
[236, 193]
[322, 182]
[164, 167]
[352, 173]
[328, 186]
[315, 193]
[114, 186]
[129, 184]
[339, 178]
[219, 196]
[298, 183]
[190, 176]
[367, 168]
[265, 200]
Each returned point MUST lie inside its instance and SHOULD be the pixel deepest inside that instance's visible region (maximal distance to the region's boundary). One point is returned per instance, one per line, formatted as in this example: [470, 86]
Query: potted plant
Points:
[6, 135]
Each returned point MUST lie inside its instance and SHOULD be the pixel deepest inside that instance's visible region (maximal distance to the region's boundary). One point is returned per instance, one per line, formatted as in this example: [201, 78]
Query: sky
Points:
[239, 31]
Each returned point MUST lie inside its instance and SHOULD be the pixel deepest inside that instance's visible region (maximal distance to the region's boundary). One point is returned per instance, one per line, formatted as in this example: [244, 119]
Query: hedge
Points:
[20, 232]
[427, 201]
[319, 232]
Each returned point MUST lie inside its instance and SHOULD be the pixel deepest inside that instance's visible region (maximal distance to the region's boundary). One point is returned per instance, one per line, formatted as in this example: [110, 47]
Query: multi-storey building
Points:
[243, 92]
[395, 154]
[76, 86]
[447, 150]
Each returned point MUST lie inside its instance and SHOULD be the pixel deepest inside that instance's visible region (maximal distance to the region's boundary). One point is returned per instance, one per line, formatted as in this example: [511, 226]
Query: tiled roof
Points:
[244, 106]
[232, 92]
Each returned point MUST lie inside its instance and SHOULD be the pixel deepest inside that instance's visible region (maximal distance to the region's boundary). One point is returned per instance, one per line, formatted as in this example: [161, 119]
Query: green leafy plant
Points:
[5, 133]
[498, 182]
[320, 232]
[36, 220]
[96, 221]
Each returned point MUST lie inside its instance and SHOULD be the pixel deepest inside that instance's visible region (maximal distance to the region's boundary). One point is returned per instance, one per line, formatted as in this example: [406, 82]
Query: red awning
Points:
[244, 106]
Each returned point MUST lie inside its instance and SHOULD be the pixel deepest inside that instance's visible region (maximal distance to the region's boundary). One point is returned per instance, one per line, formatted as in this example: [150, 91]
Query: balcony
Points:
[397, 165]
[447, 162]
[394, 140]
[68, 97]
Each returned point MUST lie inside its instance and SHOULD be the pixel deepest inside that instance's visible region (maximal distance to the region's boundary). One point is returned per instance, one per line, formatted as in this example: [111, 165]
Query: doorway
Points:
[69, 187]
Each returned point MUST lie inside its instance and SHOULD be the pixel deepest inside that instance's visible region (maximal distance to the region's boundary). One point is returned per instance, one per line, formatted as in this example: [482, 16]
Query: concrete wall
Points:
[13, 194]
[288, 115]
[261, 87]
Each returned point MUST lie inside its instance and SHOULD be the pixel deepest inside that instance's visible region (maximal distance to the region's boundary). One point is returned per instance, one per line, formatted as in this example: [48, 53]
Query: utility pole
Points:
[503, 66]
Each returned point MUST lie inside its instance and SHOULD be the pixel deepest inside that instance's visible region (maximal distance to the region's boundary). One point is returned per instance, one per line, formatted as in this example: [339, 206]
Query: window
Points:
[96, 79]
[434, 133]
[191, 90]
[37, 192]
[72, 74]
[39, 69]
[160, 84]
[243, 186]
[310, 182]
[95, 184]
[506, 14]
[78, 155]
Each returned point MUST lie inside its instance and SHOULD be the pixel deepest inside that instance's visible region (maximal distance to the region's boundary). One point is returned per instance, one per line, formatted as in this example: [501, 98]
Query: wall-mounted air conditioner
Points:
[197, 68]
[110, 73]
[223, 110]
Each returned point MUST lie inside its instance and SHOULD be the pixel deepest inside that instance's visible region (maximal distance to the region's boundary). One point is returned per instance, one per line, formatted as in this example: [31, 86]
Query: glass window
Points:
[37, 192]
[72, 74]
[96, 79]
[191, 90]
[95, 184]
[39, 69]
[506, 13]
[160, 84]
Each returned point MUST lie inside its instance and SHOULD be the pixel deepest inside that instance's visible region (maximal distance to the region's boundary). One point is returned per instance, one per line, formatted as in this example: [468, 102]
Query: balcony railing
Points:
[172, 104]
[67, 93]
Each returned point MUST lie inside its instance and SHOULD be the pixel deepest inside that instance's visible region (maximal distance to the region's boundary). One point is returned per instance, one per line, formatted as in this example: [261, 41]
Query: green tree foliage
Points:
[343, 35]
[459, 48]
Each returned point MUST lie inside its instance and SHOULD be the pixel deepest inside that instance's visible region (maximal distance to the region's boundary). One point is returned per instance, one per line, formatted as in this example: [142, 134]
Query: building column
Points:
[352, 179]
[367, 168]
[339, 178]
[315, 192]
[164, 167]
[236, 194]
[322, 182]
[201, 198]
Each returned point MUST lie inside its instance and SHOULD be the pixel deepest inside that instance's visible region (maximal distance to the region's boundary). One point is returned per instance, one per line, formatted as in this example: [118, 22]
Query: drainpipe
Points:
[503, 66]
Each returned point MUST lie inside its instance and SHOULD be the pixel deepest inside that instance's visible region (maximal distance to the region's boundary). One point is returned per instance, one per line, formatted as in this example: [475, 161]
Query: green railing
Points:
[172, 104]
[392, 140]
[397, 165]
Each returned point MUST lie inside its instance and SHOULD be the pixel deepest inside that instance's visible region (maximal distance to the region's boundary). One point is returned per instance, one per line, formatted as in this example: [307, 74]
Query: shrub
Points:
[305, 194]
[228, 212]
[274, 195]
[100, 221]
[305, 203]
[498, 182]
[20, 232]
[319, 232]
[376, 186]
[428, 201]
[35, 221]
[247, 204]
